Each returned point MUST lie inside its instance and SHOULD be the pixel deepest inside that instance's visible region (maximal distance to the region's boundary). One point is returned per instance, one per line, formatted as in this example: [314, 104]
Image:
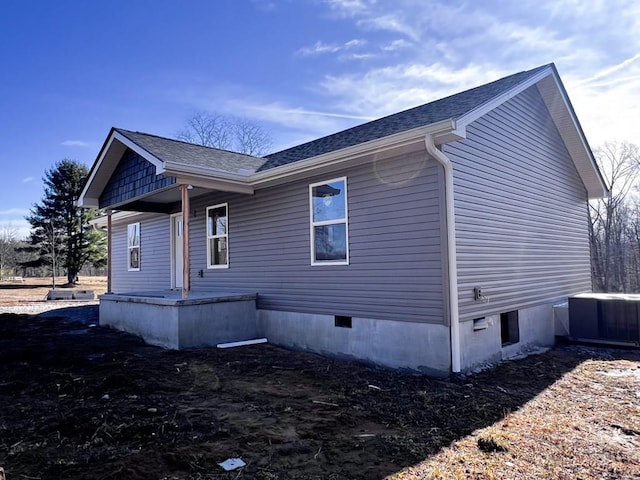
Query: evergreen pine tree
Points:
[61, 232]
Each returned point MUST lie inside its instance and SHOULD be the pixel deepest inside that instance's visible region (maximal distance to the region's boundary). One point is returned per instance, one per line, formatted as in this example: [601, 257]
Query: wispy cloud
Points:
[387, 90]
[27, 179]
[444, 46]
[76, 143]
[396, 45]
[609, 71]
[348, 7]
[320, 48]
[390, 23]
[298, 124]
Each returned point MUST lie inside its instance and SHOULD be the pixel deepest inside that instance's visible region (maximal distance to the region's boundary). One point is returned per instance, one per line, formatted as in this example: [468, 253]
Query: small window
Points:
[329, 229]
[133, 247]
[217, 236]
[509, 328]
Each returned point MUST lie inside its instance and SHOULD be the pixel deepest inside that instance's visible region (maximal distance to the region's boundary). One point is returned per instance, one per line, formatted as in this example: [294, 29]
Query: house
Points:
[435, 239]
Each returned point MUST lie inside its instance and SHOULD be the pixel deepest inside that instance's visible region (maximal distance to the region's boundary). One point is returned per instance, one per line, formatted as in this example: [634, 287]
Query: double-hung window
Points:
[218, 236]
[133, 247]
[329, 226]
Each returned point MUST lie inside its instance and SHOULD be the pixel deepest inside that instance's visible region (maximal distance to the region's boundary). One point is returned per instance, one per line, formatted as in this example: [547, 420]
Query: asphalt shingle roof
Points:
[453, 106]
[177, 151]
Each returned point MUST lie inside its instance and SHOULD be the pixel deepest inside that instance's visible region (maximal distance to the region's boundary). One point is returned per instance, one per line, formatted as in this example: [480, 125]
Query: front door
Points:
[176, 232]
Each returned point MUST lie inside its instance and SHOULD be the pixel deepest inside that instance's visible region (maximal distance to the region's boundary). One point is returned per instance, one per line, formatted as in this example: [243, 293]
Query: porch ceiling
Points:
[167, 200]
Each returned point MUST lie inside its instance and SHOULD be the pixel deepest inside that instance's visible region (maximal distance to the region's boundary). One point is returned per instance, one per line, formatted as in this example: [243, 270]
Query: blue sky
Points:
[72, 69]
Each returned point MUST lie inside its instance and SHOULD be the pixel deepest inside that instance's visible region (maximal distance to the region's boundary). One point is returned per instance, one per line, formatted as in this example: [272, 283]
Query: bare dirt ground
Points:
[33, 291]
[83, 402]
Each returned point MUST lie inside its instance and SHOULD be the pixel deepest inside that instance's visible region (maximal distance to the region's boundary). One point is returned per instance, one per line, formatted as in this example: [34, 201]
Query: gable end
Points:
[134, 176]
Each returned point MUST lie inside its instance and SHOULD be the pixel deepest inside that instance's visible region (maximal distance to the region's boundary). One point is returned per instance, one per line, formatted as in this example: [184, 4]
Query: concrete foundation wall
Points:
[536, 329]
[169, 324]
[415, 346]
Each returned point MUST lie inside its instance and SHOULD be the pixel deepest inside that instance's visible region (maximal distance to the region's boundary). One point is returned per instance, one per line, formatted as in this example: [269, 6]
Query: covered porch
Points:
[136, 174]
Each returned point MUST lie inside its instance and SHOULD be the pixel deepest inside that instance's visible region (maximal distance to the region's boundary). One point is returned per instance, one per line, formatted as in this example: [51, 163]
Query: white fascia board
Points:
[209, 178]
[485, 108]
[87, 202]
[576, 143]
[174, 169]
[92, 202]
[101, 222]
[214, 183]
[159, 164]
[593, 179]
[443, 128]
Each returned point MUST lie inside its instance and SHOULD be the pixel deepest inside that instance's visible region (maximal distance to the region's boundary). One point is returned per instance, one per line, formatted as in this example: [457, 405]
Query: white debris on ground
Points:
[627, 372]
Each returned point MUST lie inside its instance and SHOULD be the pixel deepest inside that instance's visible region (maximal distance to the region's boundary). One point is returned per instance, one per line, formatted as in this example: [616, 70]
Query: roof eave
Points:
[443, 132]
[557, 101]
[212, 178]
[114, 146]
[566, 121]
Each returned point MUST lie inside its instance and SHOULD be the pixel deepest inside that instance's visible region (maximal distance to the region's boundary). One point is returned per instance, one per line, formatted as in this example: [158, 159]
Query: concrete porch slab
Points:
[167, 320]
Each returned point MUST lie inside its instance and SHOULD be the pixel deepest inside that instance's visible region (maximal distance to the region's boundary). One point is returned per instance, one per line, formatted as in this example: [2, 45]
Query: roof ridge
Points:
[451, 106]
[184, 142]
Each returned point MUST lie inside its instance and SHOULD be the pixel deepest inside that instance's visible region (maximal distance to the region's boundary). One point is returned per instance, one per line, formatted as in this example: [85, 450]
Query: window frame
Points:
[211, 266]
[130, 248]
[340, 221]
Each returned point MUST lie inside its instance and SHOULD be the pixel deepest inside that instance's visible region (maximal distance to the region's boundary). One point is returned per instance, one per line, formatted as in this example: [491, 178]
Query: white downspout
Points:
[451, 250]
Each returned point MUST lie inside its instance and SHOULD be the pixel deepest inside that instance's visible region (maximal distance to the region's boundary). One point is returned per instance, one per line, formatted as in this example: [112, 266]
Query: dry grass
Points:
[36, 289]
[584, 426]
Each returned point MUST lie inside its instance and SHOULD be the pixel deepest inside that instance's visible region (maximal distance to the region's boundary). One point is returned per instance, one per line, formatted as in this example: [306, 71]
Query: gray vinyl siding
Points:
[394, 241]
[521, 211]
[155, 258]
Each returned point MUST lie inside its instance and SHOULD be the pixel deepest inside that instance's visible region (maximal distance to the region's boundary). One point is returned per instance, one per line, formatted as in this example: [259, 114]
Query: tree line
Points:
[62, 238]
[614, 221]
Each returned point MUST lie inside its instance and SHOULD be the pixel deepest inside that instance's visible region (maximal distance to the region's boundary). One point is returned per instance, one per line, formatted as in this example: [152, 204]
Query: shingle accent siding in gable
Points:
[134, 176]
[521, 211]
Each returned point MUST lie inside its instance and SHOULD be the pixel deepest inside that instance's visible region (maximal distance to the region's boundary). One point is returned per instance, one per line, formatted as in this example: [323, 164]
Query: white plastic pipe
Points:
[451, 251]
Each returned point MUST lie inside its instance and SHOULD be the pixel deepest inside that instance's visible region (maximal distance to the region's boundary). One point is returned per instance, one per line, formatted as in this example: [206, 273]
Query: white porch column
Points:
[184, 189]
[109, 242]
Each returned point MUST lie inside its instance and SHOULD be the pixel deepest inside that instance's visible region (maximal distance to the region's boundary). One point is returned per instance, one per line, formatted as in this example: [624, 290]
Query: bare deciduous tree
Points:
[228, 133]
[610, 218]
[8, 245]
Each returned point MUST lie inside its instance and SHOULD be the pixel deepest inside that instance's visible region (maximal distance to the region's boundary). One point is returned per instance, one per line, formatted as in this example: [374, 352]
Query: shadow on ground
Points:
[83, 402]
[25, 286]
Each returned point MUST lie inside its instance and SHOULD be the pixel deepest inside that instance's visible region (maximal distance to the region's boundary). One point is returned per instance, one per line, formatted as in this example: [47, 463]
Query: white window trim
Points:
[129, 248]
[209, 237]
[313, 224]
